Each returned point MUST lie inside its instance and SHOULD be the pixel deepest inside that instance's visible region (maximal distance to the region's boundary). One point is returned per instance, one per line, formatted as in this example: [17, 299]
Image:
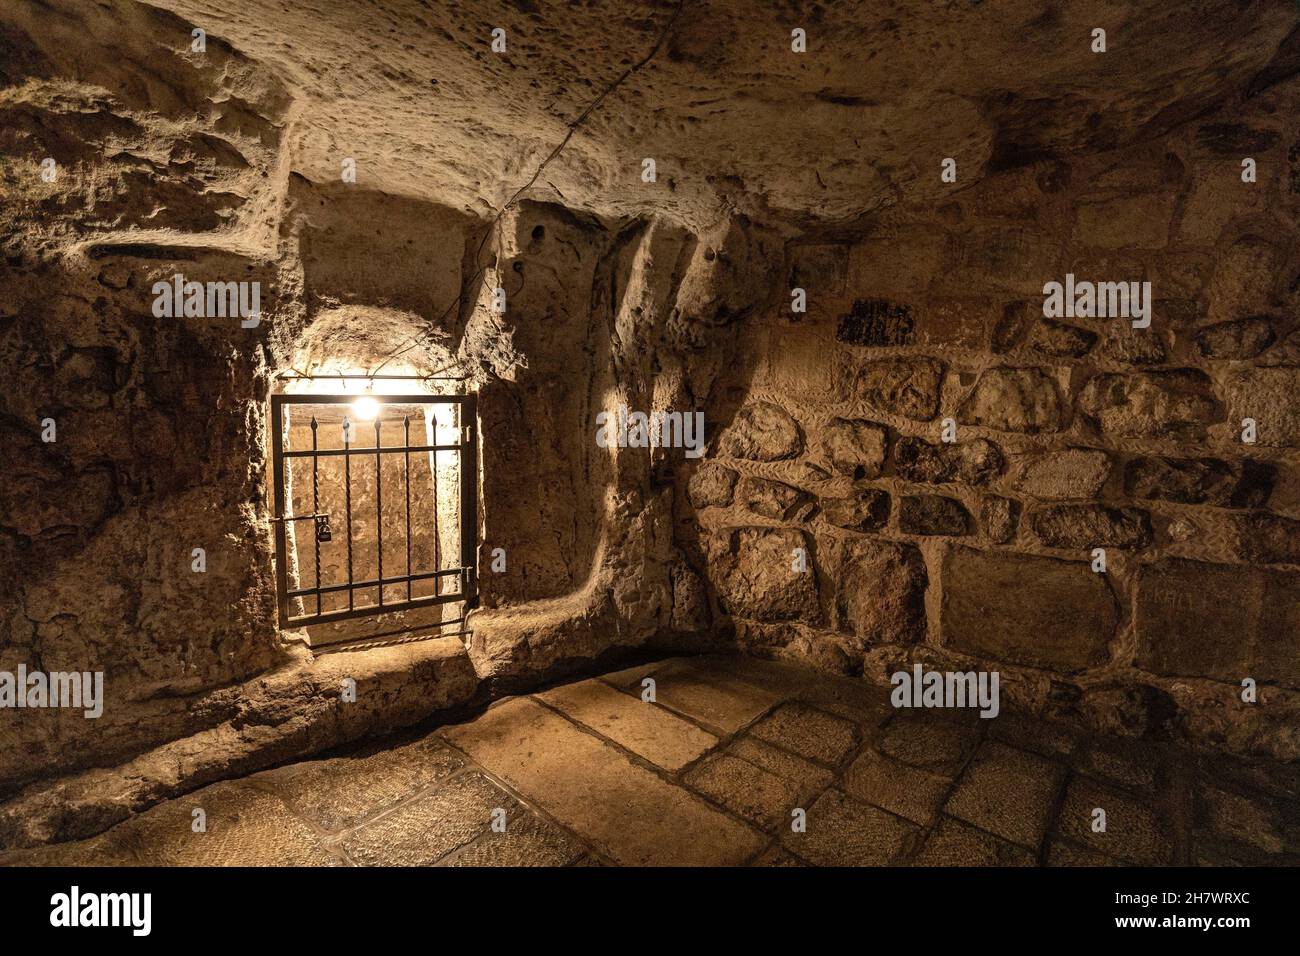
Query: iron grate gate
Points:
[327, 462]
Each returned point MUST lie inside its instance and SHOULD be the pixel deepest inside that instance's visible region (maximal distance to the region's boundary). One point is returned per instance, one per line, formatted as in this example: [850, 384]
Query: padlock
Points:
[323, 528]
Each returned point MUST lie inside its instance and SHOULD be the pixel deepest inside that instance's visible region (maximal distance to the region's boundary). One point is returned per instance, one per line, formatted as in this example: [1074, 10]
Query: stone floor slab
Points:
[775, 856]
[745, 789]
[810, 733]
[1129, 765]
[1008, 792]
[953, 843]
[645, 729]
[244, 827]
[1035, 735]
[723, 703]
[907, 791]
[627, 812]
[528, 841]
[1229, 817]
[809, 777]
[1136, 831]
[865, 704]
[340, 792]
[103, 850]
[424, 830]
[1064, 853]
[629, 678]
[931, 741]
[844, 832]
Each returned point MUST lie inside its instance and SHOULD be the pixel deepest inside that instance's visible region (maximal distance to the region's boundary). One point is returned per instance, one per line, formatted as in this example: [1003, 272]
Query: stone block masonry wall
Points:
[1070, 435]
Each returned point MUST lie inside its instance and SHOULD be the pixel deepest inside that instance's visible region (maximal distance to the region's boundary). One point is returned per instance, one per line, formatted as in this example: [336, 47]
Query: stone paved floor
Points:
[589, 774]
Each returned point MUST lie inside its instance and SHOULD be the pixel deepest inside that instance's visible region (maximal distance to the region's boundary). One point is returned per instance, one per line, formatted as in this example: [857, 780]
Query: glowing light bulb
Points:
[365, 408]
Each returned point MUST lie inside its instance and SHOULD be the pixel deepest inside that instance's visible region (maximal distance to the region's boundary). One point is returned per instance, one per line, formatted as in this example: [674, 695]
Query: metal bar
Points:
[469, 502]
[281, 549]
[295, 377]
[360, 585]
[396, 638]
[370, 611]
[347, 492]
[431, 420]
[379, 511]
[315, 505]
[337, 452]
[406, 442]
[302, 517]
[422, 398]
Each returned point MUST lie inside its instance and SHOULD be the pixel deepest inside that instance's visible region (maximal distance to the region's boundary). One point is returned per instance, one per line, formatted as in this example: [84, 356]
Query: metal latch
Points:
[321, 519]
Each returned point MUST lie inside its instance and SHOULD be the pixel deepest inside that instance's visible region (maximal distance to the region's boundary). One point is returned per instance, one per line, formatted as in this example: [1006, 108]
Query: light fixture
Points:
[365, 408]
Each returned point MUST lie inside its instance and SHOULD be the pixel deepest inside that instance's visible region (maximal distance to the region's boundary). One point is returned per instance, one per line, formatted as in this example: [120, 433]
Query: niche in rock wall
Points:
[374, 484]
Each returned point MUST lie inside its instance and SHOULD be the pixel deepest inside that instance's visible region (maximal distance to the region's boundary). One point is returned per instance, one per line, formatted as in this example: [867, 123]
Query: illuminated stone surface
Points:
[914, 467]
[590, 774]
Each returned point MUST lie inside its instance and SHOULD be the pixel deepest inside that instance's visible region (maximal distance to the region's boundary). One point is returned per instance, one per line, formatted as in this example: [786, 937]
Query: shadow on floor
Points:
[734, 762]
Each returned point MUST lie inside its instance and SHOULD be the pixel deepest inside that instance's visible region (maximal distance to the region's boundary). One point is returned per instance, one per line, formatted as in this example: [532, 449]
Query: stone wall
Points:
[1070, 435]
[157, 170]
[167, 163]
[162, 442]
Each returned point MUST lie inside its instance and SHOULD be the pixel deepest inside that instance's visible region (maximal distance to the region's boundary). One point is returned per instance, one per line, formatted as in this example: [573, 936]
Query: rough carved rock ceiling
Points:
[712, 91]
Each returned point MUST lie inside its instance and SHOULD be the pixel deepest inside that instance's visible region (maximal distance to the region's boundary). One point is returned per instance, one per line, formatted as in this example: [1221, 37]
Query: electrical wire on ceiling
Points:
[495, 224]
